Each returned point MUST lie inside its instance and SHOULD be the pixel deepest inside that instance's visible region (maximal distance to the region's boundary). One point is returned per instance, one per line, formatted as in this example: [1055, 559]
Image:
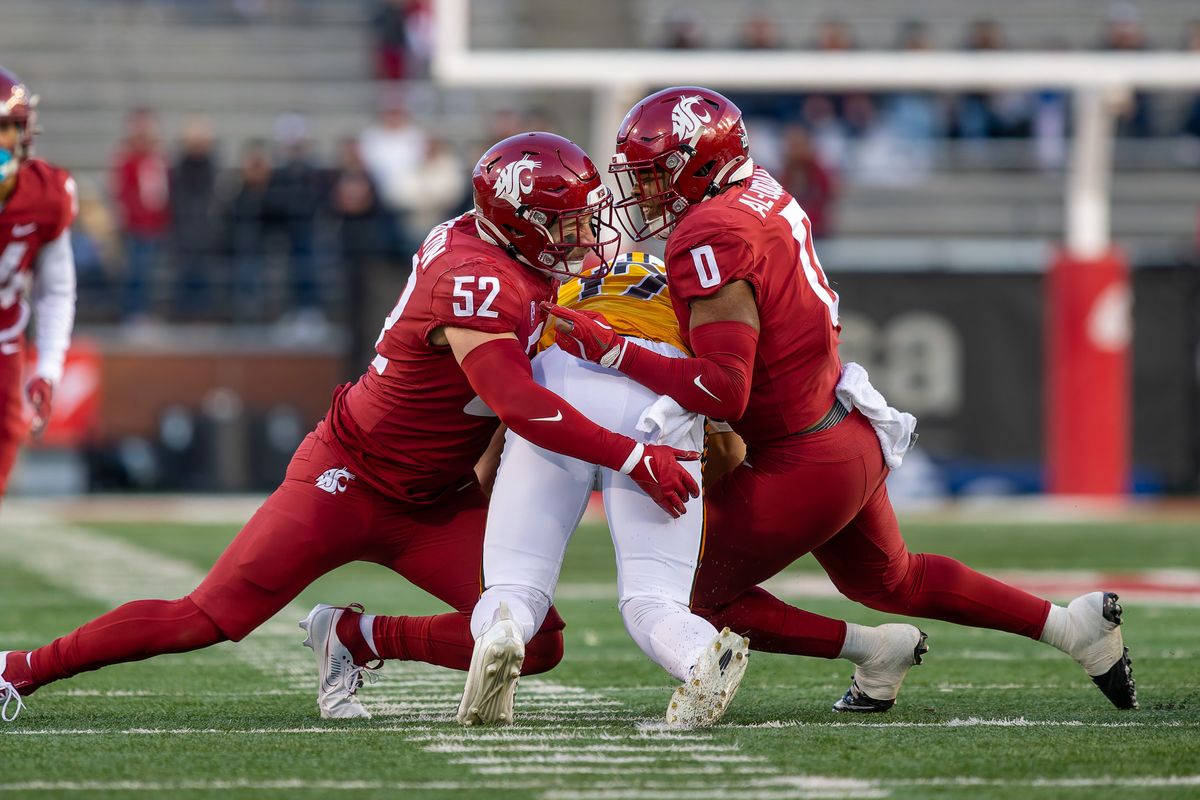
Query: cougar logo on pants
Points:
[334, 480]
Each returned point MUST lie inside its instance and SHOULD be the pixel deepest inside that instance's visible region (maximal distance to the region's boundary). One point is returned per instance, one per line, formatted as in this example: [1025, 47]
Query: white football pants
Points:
[540, 496]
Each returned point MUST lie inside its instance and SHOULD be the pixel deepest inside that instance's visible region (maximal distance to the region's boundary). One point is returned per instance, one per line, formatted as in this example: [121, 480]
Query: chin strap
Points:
[734, 171]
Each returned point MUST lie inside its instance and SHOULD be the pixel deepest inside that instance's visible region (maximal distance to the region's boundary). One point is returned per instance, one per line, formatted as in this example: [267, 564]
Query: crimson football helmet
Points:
[676, 148]
[540, 197]
[17, 105]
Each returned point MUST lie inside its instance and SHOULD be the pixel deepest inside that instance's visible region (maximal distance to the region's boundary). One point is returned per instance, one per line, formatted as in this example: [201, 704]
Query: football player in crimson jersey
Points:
[388, 475]
[762, 321]
[37, 205]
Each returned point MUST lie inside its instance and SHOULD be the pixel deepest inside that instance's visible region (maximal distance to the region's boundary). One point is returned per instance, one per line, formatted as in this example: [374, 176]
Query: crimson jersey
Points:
[40, 208]
[758, 233]
[412, 426]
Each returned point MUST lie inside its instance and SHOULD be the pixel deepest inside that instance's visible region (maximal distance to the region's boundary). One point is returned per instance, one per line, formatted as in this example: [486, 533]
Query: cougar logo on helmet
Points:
[685, 121]
[515, 180]
[18, 96]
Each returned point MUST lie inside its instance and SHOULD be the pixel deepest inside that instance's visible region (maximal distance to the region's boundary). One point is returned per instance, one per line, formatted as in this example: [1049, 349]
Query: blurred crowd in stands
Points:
[891, 137]
[252, 236]
[280, 231]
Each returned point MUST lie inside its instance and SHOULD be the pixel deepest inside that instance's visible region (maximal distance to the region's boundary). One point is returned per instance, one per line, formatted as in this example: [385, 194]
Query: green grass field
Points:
[988, 715]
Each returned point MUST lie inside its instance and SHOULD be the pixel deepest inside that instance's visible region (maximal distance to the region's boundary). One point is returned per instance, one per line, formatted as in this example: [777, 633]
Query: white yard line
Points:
[806, 786]
[969, 722]
[647, 736]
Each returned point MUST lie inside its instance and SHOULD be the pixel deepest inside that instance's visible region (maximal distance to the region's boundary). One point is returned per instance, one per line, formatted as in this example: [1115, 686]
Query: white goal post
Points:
[619, 77]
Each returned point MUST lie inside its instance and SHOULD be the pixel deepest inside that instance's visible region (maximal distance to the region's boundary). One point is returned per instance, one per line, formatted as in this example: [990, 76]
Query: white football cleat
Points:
[9, 696]
[713, 682]
[338, 677]
[1099, 647]
[495, 668]
[877, 680]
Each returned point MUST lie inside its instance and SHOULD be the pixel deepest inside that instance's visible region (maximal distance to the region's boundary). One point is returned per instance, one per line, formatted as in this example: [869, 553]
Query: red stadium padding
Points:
[1088, 334]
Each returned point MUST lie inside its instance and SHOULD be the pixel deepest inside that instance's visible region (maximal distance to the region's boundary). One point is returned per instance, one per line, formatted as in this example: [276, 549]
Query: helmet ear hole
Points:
[704, 170]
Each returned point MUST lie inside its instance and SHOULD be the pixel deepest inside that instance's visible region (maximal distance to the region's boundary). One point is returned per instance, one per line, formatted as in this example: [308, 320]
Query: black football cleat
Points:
[860, 702]
[876, 682]
[1099, 646]
[1118, 684]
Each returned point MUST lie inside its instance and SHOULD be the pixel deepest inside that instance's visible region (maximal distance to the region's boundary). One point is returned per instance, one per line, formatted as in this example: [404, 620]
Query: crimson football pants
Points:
[13, 426]
[299, 534]
[825, 493]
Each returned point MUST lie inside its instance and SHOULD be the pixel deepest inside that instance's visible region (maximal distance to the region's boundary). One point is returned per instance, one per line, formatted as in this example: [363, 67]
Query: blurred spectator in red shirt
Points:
[807, 179]
[403, 36]
[140, 188]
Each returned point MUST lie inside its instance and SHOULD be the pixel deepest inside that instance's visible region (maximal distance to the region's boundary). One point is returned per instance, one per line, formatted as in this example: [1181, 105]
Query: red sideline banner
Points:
[1088, 335]
[76, 407]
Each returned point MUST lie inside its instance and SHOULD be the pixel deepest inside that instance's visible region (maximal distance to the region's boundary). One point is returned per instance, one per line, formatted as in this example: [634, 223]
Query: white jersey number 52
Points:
[464, 302]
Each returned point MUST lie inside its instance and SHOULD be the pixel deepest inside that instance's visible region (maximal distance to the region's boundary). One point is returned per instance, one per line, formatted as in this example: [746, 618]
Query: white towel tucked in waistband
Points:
[668, 423]
[896, 429]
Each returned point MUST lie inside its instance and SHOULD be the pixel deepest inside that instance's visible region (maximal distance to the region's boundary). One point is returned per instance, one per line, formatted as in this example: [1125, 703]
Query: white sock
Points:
[526, 606]
[860, 644]
[1058, 631]
[366, 626]
[667, 632]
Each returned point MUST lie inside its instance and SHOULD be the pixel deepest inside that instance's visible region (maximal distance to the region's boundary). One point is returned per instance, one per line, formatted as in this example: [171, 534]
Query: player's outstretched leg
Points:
[709, 689]
[132, 632]
[882, 655]
[339, 672]
[1089, 631]
[495, 669]
[869, 563]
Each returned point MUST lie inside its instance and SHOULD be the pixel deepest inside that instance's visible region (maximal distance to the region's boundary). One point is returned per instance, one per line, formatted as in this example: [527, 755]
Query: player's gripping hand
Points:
[656, 468]
[586, 335]
[40, 392]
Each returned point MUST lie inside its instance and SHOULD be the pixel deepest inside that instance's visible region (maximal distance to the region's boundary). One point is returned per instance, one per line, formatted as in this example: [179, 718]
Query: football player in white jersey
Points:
[540, 496]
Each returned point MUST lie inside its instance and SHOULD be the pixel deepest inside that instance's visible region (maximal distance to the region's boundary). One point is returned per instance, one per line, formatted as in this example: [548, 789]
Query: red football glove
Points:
[586, 335]
[656, 468]
[40, 392]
